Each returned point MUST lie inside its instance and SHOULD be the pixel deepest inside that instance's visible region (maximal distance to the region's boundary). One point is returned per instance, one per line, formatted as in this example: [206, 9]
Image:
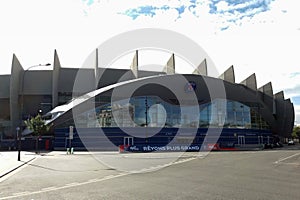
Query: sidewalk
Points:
[9, 161]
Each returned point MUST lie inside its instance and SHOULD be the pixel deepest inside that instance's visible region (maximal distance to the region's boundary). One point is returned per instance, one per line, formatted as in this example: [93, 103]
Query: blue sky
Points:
[261, 36]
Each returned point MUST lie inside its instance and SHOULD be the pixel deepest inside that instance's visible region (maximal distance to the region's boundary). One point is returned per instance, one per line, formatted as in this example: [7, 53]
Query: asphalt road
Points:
[273, 174]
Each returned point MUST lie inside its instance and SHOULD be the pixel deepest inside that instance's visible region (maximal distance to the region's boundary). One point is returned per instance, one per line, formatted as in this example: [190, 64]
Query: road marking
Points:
[48, 188]
[153, 168]
[21, 193]
[73, 184]
[109, 176]
[290, 163]
[93, 180]
[70, 185]
[283, 159]
[178, 162]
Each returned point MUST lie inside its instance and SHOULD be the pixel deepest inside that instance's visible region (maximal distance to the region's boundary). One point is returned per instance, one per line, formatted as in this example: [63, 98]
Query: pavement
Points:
[267, 174]
[9, 159]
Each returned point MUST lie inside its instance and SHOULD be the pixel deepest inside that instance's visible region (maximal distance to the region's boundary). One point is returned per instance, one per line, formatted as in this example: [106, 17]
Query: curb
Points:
[10, 171]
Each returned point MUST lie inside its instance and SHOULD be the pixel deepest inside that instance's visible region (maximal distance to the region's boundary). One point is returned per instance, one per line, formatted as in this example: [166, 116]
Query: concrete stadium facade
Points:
[251, 109]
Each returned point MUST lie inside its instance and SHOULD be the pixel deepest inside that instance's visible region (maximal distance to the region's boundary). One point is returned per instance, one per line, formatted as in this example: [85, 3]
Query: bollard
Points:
[72, 151]
[121, 148]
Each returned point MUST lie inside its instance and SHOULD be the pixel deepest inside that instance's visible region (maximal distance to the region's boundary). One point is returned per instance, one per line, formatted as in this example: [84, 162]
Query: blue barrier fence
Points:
[112, 138]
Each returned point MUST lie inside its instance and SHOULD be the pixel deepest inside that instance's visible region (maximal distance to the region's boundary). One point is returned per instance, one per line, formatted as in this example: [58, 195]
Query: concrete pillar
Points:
[250, 82]
[228, 75]
[170, 66]
[135, 64]
[201, 69]
[17, 72]
[55, 79]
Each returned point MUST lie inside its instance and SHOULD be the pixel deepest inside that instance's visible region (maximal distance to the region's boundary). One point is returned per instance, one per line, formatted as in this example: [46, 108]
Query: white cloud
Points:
[293, 91]
[222, 6]
[297, 109]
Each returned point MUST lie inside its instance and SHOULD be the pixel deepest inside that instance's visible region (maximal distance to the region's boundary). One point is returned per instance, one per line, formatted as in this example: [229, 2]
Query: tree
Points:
[296, 132]
[38, 127]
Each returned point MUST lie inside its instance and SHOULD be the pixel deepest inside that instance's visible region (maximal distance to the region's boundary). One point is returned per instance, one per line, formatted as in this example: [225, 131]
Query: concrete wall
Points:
[80, 83]
[34, 103]
[37, 83]
[111, 76]
[4, 86]
[4, 109]
[66, 79]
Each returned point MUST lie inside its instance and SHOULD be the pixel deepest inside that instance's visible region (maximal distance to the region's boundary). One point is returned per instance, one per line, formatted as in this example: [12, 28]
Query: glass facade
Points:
[151, 111]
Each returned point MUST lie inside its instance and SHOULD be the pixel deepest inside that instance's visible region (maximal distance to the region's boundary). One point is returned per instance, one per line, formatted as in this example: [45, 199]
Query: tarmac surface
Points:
[9, 159]
[267, 174]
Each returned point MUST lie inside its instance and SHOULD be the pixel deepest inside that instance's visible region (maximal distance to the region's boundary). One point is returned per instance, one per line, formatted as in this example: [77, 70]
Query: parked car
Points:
[291, 142]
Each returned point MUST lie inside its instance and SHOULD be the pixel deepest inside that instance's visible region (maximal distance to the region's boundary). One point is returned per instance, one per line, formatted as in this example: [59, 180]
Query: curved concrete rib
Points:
[228, 75]
[135, 64]
[250, 82]
[201, 69]
[96, 69]
[279, 95]
[170, 66]
[267, 89]
[55, 79]
[17, 72]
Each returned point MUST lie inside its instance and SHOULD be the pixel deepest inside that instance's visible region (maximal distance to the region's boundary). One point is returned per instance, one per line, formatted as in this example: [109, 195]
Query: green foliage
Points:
[37, 125]
[296, 132]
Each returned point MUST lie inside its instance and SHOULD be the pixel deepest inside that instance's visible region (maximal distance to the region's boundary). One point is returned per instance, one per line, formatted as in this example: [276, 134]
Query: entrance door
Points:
[128, 141]
[260, 139]
[241, 140]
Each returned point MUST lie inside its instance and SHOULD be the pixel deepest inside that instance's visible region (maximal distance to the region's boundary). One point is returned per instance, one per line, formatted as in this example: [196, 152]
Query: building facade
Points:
[153, 113]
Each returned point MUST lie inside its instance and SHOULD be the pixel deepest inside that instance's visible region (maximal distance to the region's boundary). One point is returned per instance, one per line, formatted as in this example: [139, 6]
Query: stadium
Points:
[142, 110]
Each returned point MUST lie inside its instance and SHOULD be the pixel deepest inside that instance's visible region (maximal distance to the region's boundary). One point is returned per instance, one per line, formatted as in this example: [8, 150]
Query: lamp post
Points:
[19, 143]
[23, 77]
[146, 113]
[21, 111]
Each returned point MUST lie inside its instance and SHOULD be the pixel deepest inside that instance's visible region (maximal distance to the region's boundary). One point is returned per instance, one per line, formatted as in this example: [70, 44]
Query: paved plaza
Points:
[267, 174]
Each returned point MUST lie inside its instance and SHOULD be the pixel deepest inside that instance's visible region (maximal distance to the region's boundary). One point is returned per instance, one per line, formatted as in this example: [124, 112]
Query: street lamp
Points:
[22, 105]
[23, 77]
[19, 143]
[146, 113]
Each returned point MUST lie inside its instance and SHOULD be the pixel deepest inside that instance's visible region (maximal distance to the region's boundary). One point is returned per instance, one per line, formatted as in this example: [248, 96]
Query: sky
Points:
[261, 36]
